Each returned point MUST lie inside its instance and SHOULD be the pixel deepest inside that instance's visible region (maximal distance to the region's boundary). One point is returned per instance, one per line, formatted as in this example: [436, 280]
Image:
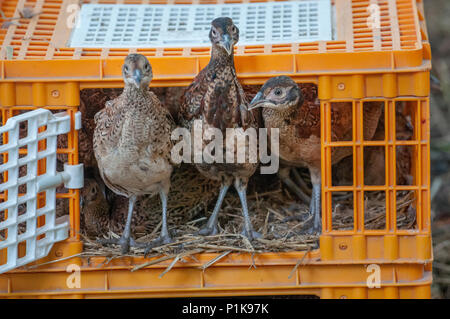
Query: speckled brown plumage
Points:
[300, 131]
[100, 214]
[374, 157]
[132, 139]
[171, 98]
[217, 99]
[94, 209]
[91, 101]
[132, 143]
[298, 119]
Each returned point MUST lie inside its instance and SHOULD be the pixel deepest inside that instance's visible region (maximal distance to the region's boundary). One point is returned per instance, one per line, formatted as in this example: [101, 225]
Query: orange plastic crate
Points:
[389, 64]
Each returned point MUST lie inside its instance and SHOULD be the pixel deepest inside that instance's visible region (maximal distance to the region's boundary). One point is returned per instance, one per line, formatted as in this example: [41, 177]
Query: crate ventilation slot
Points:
[170, 26]
[41, 127]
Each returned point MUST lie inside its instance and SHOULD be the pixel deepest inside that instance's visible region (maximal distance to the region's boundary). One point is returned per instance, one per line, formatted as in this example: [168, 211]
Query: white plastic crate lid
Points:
[52, 231]
[169, 26]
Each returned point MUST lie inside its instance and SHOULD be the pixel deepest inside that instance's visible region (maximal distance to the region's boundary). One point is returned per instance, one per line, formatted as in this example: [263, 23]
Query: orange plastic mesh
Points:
[400, 30]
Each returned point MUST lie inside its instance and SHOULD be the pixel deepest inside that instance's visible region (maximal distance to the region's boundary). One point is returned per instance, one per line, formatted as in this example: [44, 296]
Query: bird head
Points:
[278, 93]
[91, 192]
[224, 34]
[137, 71]
[94, 188]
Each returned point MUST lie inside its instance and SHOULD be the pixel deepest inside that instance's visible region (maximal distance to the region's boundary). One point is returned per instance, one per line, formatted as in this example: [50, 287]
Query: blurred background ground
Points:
[438, 23]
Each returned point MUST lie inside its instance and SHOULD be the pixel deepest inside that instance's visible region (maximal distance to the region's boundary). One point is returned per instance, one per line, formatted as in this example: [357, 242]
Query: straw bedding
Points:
[192, 198]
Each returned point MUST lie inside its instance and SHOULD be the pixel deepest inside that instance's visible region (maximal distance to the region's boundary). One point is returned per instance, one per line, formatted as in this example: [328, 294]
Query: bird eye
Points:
[278, 92]
[213, 32]
[93, 191]
[126, 68]
[147, 67]
[234, 29]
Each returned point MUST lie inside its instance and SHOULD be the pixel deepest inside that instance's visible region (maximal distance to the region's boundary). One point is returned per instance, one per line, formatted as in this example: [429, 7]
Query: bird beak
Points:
[227, 43]
[256, 102]
[137, 77]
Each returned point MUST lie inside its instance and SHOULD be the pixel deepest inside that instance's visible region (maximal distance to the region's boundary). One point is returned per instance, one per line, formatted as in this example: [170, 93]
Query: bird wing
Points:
[108, 125]
[158, 125]
[191, 100]
[108, 129]
[218, 99]
[306, 120]
[218, 107]
[166, 111]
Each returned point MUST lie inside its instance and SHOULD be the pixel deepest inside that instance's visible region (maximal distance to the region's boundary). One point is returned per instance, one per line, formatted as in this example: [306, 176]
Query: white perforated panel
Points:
[38, 240]
[125, 26]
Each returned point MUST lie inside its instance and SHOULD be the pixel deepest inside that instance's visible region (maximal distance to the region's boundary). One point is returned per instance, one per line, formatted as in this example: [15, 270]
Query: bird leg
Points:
[300, 182]
[211, 225]
[283, 173]
[248, 231]
[125, 241]
[315, 207]
[164, 238]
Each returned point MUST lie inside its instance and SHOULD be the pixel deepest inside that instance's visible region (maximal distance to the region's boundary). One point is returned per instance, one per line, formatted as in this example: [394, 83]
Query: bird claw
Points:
[124, 243]
[208, 231]
[160, 241]
[314, 229]
[251, 235]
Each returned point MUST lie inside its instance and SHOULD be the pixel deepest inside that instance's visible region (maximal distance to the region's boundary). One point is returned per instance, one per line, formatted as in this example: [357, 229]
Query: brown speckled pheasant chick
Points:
[299, 125]
[94, 208]
[217, 99]
[132, 144]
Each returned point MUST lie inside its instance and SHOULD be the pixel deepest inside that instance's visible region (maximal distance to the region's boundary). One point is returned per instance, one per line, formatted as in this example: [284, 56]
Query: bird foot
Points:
[123, 242]
[315, 228]
[208, 231]
[160, 241]
[251, 235]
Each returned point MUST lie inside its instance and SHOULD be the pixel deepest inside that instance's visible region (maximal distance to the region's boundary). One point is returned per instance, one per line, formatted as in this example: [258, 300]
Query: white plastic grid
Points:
[51, 232]
[169, 26]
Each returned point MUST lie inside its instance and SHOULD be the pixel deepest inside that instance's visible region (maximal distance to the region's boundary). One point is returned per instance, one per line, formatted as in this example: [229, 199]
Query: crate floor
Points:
[270, 205]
